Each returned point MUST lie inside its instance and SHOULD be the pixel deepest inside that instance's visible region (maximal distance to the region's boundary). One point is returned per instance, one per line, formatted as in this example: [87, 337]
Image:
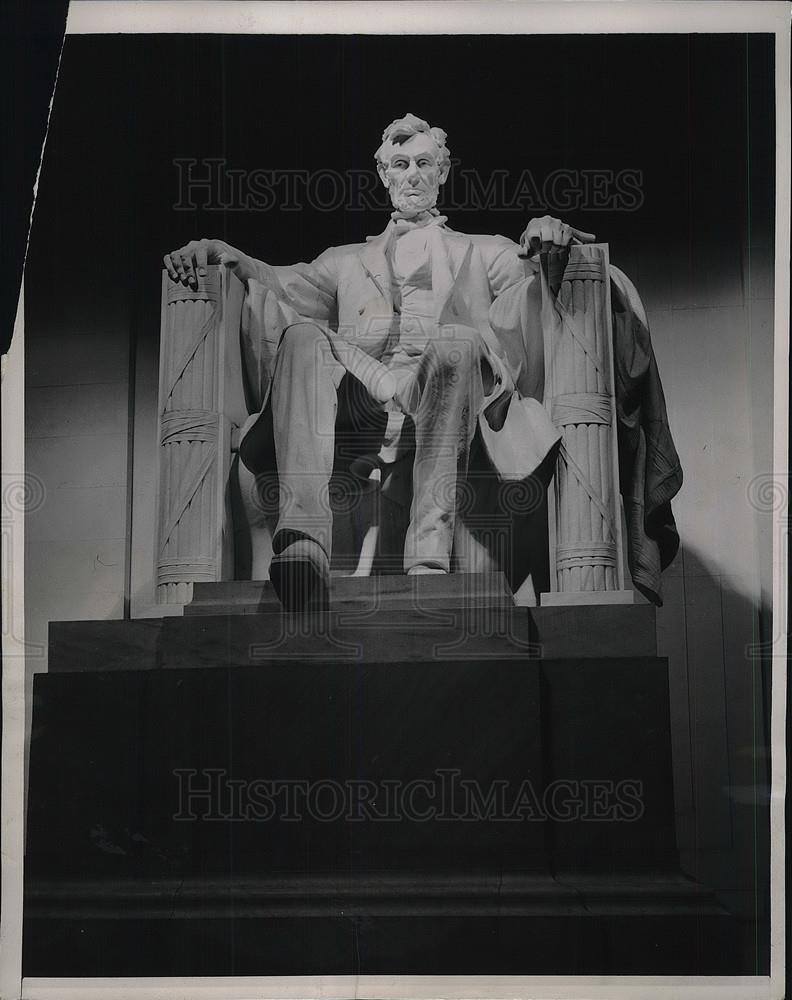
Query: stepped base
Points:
[374, 894]
[377, 619]
[581, 598]
[502, 811]
[365, 593]
[536, 925]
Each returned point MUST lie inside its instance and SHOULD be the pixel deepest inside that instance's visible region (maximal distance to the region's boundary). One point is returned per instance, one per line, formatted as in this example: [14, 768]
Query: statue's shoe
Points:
[300, 575]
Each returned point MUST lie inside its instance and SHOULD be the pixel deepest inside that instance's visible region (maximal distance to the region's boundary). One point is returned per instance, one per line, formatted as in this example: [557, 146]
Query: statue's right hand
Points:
[188, 263]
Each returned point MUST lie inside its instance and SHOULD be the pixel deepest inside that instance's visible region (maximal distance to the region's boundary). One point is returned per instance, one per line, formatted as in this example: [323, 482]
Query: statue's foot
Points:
[300, 575]
[422, 568]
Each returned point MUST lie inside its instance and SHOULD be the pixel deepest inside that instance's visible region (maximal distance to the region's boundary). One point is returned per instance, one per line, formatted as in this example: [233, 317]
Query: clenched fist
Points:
[549, 235]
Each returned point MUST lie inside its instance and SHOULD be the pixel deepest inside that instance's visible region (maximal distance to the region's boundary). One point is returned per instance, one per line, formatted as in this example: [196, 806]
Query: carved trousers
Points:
[441, 390]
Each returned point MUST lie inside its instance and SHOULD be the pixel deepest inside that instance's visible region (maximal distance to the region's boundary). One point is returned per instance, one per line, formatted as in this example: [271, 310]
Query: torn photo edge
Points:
[384, 18]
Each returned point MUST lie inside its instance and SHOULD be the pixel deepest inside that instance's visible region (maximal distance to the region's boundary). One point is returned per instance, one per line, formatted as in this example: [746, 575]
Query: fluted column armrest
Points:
[586, 546]
[200, 403]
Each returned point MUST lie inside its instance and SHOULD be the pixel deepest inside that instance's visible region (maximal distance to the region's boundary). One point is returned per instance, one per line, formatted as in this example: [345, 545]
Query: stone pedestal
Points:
[407, 784]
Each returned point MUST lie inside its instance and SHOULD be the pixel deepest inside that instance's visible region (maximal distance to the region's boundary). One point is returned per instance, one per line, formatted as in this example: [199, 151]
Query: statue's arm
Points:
[509, 262]
[515, 313]
[505, 266]
[309, 289]
[189, 262]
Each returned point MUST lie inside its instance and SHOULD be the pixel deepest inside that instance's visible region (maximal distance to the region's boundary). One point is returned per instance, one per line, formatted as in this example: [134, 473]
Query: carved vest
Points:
[411, 266]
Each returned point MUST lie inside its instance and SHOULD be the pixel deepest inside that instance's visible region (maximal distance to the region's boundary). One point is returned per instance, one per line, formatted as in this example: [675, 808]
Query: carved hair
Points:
[402, 129]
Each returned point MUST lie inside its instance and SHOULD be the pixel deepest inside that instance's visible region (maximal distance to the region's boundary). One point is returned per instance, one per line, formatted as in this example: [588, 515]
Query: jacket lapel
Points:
[375, 263]
[450, 251]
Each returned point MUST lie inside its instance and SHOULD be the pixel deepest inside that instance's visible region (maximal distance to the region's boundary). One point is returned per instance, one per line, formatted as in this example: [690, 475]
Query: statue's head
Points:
[413, 161]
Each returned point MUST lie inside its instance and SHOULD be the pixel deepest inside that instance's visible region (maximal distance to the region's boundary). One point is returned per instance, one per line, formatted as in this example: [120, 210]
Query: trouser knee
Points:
[453, 354]
[303, 341]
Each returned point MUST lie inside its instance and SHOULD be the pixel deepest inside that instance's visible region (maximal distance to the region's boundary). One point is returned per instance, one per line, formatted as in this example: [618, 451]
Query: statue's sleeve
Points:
[307, 289]
[517, 432]
[515, 316]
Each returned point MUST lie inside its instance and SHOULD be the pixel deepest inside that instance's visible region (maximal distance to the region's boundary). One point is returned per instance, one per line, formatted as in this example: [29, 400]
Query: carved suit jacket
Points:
[482, 283]
[348, 291]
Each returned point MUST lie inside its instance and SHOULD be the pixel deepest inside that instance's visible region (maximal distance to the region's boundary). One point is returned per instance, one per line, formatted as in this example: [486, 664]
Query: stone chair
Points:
[215, 521]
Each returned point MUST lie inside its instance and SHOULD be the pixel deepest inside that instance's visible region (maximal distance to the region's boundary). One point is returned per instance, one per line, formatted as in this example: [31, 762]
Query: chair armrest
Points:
[200, 401]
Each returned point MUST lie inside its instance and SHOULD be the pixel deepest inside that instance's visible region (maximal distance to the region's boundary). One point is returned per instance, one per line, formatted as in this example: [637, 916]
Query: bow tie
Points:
[402, 222]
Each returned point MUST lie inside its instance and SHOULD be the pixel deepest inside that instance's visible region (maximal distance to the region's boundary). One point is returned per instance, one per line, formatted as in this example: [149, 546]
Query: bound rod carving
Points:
[585, 526]
[195, 418]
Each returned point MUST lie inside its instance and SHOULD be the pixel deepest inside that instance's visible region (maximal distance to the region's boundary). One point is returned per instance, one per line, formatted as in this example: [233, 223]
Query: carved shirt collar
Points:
[402, 222]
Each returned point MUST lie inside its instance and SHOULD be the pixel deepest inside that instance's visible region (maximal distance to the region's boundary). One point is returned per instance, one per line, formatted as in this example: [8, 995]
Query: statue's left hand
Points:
[549, 235]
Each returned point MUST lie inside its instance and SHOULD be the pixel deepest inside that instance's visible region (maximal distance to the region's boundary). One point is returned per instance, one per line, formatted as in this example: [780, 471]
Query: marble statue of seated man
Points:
[435, 325]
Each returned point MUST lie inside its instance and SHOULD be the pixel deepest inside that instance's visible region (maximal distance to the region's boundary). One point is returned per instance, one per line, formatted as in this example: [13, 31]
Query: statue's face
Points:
[413, 175]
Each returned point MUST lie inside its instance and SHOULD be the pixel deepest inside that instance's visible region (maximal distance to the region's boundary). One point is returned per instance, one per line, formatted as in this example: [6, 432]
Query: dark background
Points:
[695, 114]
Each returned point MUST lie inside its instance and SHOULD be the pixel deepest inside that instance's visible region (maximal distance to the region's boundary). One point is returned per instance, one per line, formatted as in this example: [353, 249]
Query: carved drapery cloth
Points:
[580, 398]
[189, 428]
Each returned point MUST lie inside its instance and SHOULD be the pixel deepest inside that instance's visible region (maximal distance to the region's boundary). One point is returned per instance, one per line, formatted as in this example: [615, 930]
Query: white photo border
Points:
[381, 17]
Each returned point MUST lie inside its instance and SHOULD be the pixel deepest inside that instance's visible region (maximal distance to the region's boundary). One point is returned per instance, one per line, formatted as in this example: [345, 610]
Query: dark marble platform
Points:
[362, 593]
[482, 925]
[539, 838]
[384, 619]
[531, 865]
[559, 944]
[381, 894]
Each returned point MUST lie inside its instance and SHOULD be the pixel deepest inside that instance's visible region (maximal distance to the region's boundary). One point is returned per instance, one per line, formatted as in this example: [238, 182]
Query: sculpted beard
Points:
[411, 194]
